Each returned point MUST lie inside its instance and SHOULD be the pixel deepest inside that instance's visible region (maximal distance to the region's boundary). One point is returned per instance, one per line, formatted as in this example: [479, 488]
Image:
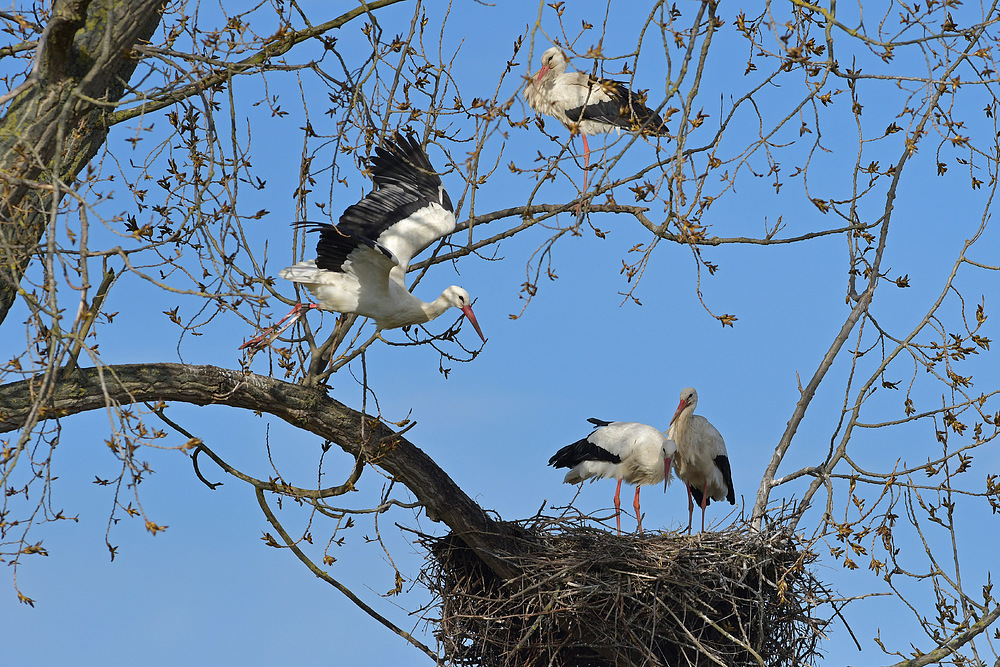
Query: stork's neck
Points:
[679, 428]
[435, 308]
[405, 309]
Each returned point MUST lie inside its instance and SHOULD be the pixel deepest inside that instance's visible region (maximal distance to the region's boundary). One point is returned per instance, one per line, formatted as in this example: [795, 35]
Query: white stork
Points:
[361, 262]
[629, 451]
[702, 461]
[587, 104]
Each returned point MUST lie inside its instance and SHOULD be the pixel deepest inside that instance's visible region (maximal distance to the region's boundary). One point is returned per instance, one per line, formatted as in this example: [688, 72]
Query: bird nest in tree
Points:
[588, 597]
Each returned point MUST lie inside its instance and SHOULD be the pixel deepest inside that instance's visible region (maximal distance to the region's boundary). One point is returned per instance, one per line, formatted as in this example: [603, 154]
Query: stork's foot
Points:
[267, 336]
[259, 341]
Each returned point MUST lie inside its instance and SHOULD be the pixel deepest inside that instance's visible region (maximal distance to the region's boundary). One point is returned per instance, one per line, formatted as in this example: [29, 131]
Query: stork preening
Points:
[701, 461]
[588, 104]
[361, 263]
[626, 451]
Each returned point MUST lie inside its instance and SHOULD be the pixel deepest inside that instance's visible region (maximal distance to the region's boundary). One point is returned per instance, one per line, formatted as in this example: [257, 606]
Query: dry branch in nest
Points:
[587, 597]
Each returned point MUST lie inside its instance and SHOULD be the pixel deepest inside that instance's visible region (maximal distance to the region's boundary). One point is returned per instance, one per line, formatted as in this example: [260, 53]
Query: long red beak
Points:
[541, 73]
[680, 408]
[666, 473]
[472, 318]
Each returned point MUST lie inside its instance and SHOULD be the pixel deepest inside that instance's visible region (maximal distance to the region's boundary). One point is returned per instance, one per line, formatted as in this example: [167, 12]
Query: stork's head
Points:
[459, 298]
[689, 398]
[552, 60]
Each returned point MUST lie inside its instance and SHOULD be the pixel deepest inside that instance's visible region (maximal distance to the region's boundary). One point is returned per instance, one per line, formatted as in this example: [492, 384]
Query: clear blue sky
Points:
[209, 591]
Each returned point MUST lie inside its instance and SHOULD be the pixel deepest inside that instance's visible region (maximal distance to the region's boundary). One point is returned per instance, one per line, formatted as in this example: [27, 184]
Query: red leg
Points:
[704, 503]
[276, 329]
[638, 514]
[586, 160]
[690, 507]
[618, 507]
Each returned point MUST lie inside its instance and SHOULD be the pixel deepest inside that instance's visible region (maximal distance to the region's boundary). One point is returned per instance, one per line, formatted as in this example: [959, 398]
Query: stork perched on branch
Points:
[588, 104]
[361, 262]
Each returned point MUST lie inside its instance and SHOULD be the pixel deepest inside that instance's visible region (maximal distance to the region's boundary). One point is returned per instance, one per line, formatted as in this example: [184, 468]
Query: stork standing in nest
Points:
[587, 104]
[626, 451]
[702, 462]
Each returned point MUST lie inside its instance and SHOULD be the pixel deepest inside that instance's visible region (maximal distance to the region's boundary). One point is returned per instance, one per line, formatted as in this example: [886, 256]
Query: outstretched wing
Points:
[335, 246]
[409, 209]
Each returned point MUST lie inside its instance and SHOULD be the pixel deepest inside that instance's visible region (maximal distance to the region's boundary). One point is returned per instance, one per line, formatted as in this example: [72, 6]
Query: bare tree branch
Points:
[57, 124]
[307, 408]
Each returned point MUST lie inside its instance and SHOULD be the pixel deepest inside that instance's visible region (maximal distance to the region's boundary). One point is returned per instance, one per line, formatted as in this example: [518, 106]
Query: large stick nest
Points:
[588, 597]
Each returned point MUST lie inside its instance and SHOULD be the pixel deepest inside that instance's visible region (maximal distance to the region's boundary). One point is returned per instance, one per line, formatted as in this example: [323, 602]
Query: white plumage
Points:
[361, 262]
[627, 451]
[587, 104]
[701, 461]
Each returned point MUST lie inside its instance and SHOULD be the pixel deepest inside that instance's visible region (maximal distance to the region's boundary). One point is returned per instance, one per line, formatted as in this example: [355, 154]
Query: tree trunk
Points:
[57, 124]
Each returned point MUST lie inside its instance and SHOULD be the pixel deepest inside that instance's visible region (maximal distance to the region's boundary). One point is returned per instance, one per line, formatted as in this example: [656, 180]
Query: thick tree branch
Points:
[307, 408]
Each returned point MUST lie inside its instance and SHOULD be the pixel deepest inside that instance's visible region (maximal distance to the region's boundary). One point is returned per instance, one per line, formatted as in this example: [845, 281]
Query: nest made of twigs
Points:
[588, 597]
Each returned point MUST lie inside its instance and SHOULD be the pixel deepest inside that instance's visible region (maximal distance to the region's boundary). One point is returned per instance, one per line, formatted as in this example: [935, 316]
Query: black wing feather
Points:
[405, 182]
[335, 245]
[582, 450]
[625, 109]
[381, 209]
[599, 422]
[722, 463]
[404, 163]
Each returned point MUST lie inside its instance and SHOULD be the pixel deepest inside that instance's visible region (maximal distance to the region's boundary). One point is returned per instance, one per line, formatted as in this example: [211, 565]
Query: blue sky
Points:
[208, 590]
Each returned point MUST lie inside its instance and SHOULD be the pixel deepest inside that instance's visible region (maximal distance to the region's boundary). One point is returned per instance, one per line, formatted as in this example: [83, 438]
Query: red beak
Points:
[472, 318]
[680, 408]
[666, 473]
[541, 73]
